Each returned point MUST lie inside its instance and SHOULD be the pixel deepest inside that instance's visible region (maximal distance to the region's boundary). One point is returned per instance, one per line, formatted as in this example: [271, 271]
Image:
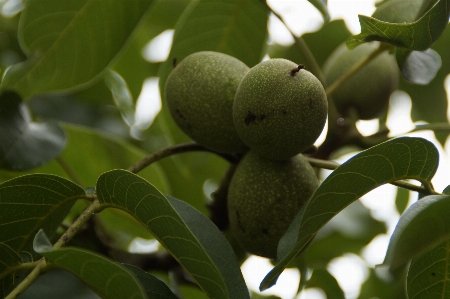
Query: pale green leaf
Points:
[397, 159]
[428, 275]
[419, 67]
[105, 277]
[418, 35]
[188, 235]
[70, 43]
[33, 202]
[422, 227]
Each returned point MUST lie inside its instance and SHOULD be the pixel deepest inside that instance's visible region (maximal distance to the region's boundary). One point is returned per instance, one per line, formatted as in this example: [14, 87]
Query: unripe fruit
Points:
[279, 109]
[263, 198]
[367, 92]
[200, 93]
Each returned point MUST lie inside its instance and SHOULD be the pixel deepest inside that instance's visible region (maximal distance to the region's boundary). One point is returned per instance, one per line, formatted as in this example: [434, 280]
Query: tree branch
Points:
[176, 149]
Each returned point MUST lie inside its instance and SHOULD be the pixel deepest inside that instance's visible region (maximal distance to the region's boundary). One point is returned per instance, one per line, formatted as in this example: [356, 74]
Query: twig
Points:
[331, 165]
[176, 149]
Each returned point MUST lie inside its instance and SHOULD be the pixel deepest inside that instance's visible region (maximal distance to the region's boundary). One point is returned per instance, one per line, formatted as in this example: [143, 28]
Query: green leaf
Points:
[418, 35]
[429, 102]
[25, 144]
[419, 67]
[349, 231]
[153, 287]
[374, 287]
[428, 274]
[132, 66]
[187, 234]
[9, 261]
[322, 279]
[234, 27]
[90, 152]
[82, 40]
[321, 5]
[398, 11]
[422, 227]
[121, 95]
[107, 278]
[401, 200]
[396, 159]
[33, 202]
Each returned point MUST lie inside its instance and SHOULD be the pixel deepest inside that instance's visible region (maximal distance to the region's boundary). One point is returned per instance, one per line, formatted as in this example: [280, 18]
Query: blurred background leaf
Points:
[25, 144]
[83, 39]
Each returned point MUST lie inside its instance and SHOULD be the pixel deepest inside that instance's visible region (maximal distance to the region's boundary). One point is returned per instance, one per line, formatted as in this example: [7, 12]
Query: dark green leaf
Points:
[428, 274]
[422, 227]
[107, 278]
[33, 202]
[234, 27]
[23, 143]
[9, 260]
[401, 200]
[419, 67]
[322, 279]
[190, 237]
[397, 159]
[63, 285]
[83, 39]
[321, 5]
[418, 35]
[153, 287]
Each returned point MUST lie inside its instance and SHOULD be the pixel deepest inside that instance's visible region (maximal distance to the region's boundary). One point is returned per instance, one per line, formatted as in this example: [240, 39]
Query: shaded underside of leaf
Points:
[126, 191]
[429, 275]
[32, 202]
[422, 227]
[401, 158]
[321, 5]
[23, 143]
[107, 278]
[153, 287]
[418, 35]
[9, 259]
[71, 42]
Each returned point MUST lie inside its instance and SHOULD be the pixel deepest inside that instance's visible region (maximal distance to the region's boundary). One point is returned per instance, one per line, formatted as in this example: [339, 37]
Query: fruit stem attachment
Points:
[355, 68]
[331, 165]
[176, 149]
[297, 69]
